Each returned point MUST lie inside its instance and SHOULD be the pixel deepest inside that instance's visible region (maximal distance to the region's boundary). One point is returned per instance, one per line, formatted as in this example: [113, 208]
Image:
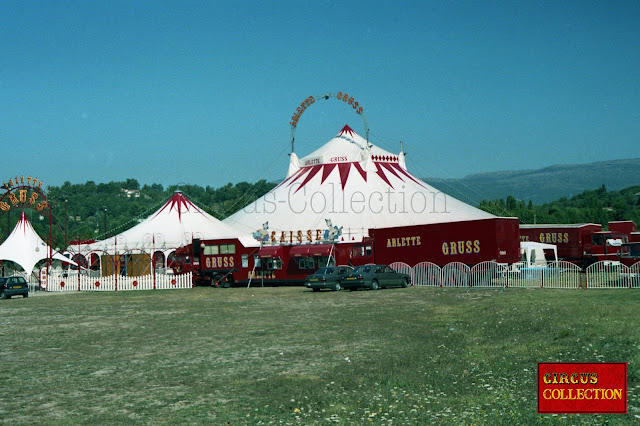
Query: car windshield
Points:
[362, 269]
[324, 271]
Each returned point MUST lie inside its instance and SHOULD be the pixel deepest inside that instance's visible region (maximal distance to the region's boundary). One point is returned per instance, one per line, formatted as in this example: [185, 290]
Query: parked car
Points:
[374, 277]
[328, 277]
[13, 286]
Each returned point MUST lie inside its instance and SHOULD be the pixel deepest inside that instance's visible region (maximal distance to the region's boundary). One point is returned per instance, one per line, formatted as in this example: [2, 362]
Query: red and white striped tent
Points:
[350, 185]
[173, 225]
[25, 247]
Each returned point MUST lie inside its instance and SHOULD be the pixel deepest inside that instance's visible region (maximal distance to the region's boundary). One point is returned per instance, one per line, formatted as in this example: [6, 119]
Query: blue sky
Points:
[202, 92]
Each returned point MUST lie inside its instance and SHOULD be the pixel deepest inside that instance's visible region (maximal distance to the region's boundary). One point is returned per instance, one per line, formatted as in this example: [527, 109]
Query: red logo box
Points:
[582, 387]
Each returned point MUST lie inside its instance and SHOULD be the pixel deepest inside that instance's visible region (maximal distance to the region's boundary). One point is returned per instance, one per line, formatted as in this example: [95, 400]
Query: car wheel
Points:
[316, 289]
[216, 281]
[25, 295]
[336, 287]
[374, 285]
[3, 296]
[405, 283]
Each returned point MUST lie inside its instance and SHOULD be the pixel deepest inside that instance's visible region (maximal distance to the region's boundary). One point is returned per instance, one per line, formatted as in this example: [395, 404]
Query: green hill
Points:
[542, 185]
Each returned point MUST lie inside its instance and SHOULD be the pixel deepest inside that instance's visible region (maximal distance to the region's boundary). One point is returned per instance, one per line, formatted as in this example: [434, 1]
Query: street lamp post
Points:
[105, 222]
[66, 223]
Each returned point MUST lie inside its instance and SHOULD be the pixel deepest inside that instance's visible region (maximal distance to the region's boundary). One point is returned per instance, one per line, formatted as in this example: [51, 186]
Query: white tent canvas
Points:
[175, 224]
[345, 188]
[25, 247]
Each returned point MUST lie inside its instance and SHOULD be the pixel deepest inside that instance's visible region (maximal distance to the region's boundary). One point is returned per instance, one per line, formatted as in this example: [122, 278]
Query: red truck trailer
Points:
[227, 262]
[582, 244]
[469, 242]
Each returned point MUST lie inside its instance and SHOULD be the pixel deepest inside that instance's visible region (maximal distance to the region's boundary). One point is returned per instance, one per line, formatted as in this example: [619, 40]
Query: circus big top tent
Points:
[25, 247]
[350, 186]
[175, 224]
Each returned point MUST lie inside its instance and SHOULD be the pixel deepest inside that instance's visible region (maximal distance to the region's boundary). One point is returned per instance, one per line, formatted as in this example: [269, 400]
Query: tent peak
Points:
[348, 130]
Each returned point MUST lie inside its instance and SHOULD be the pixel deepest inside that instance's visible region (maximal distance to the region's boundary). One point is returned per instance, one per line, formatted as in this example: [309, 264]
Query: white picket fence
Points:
[612, 275]
[426, 274]
[557, 275]
[561, 274]
[118, 282]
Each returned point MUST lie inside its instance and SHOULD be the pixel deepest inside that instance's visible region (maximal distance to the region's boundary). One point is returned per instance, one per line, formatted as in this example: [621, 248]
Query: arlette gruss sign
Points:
[582, 387]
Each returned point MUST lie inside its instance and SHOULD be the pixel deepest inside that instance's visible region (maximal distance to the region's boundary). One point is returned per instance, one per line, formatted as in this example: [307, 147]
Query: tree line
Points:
[591, 206]
[100, 210]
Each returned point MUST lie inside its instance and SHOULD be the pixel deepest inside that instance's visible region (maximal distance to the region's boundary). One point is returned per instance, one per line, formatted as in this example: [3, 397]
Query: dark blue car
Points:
[13, 286]
[328, 277]
[374, 277]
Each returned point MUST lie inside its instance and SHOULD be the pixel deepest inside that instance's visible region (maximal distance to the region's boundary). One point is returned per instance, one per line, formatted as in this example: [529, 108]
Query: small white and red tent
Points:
[175, 224]
[350, 186]
[26, 248]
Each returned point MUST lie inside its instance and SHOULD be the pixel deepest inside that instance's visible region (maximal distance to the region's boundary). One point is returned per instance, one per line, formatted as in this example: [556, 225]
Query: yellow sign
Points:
[344, 97]
[461, 247]
[33, 182]
[404, 241]
[354, 104]
[22, 196]
[297, 236]
[219, 261]
[267, 275]
[554, 237]
[303, 106]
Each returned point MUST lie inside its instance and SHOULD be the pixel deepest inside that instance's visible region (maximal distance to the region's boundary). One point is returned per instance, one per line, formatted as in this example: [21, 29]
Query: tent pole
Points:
[153, 258]
[330, 253]
[253, 271]
[50, 254]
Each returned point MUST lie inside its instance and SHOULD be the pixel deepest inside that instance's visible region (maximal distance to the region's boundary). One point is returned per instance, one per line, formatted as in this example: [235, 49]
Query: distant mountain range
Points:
[542, 185]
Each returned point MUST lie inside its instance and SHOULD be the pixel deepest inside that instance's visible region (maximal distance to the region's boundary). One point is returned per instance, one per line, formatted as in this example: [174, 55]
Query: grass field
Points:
[286, 355]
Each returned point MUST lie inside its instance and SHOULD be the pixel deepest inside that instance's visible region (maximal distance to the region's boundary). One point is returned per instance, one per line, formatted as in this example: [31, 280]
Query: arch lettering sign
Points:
[344, 97]
[21, 192]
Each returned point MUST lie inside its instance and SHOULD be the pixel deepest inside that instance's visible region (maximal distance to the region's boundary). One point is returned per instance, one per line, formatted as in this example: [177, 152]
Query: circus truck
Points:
[468, 242]
[212, 262]
[585, 244]
[229, 262]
